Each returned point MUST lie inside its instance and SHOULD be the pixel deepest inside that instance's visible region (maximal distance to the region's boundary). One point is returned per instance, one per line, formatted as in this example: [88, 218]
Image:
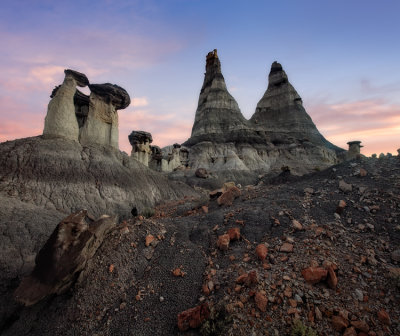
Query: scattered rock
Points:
[314, 275]
[332, 278]
[339, 323]
[345, 187]
[193, 317]
[261, 251]
[286, 247]
[178, 272]
[223, 242]
[296, 225]
[384, 317]
[149, 239]
[261, 301]
[229, 196]
[234, 233]
[363, 172]
[360, 325]
[395, 255]
[350, 332]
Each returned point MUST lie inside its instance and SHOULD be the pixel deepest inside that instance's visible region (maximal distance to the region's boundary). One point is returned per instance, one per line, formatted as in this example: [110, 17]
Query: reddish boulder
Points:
[332, 278]
[193, 317]
[384, 317]
[314, 275]
[261, 301]
[339, 323]
[261, 251]
[223, 242]
[234, 233]
[229, 196]
[286, 247]
[350, 332]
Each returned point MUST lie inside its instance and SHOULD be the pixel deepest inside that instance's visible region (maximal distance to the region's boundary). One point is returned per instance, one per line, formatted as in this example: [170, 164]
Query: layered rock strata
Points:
[280, 133]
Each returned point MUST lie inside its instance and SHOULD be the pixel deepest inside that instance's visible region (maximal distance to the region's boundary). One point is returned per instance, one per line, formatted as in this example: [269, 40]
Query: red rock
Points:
[350, 332]
[384, 317]
[178, 272]
[215, 193]
[261, 251]
[204, 208]
[234, 233]
[314, 275]
[206, 290]
[340, 207]
[193, 317]
[229, 196]
[223, 242]
[363, 172]
[332, 278]
[339, 323]
[253, 278]
[360, 325]
[248, 278]
[149, 239]
[286, 247]
[261, 301]
[111, 268]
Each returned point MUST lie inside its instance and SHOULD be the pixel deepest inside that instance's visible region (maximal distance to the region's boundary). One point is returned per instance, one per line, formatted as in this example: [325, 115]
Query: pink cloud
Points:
[374, 122]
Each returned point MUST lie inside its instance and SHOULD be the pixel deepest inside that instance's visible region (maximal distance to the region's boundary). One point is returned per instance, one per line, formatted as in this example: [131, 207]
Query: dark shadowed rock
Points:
[138, 137]
[65, 254]
[81, 79]
[112, 93]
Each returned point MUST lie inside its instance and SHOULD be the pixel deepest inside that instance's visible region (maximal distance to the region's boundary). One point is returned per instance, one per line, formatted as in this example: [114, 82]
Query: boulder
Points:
[65, 254]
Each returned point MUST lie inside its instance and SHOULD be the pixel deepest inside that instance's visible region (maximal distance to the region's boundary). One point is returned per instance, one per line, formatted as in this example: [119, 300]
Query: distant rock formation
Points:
[88, 119]
[140, 142]
[61, 120]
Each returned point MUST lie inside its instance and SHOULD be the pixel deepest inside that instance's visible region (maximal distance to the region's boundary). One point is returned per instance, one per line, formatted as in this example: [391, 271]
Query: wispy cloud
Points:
[374, 122]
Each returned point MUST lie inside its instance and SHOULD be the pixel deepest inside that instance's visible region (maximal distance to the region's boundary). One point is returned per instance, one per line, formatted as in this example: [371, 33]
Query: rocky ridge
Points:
[321, 249]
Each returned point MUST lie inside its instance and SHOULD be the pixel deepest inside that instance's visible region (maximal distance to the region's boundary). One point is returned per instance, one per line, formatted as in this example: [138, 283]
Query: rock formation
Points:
[65, 254]
[354, 149]
[88, 119]
[280, 133]
[101, 126]
[61, 120]
[280, 114]
[140, 142]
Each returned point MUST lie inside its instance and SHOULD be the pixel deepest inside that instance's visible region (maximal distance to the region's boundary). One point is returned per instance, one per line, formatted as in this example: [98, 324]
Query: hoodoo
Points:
[281, 115]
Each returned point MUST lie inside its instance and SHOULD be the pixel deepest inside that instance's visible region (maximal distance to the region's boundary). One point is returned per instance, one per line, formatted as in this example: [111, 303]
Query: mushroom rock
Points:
[218, 117]
[101, 126]
[281, 115]
[61, 120]
[140, 142]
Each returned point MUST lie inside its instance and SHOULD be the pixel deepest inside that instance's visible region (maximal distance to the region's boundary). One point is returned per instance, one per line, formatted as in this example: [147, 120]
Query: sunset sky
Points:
[343, 58]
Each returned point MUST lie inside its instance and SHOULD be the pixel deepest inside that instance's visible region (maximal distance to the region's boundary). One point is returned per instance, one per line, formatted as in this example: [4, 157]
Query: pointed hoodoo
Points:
[281, 114]
[218, 117]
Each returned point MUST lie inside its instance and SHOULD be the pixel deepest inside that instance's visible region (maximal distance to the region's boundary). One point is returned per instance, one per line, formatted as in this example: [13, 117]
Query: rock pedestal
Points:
[101, 126]
[354, 149]
[140, 142]
[61, 120]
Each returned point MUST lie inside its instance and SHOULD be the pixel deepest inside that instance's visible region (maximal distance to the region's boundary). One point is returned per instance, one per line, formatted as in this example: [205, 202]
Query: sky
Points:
[341, 56]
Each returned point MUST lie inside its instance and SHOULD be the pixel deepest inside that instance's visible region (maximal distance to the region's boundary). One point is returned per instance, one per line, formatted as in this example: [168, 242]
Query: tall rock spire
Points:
[281, 114]
[218, 117]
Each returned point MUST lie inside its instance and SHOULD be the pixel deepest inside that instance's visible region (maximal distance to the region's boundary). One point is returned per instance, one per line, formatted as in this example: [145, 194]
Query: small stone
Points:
[204, 208]
[111, 268]
[332, 278]
[149, 239]
[340, 207]
[193, 317]
[286, 247]
[261, 301]
[345, 187]
[384, 317]
[395, 255]
[122, 306]
[339, 323]
[223, 242]
[314, 275]
[296, 225]
[350, 332]
[363, 172]
[360, 325]
[318, 314]
[359, 294]
[309, 191]
[261, 251]
[178, 272]
[234, 233]
[201, 173]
